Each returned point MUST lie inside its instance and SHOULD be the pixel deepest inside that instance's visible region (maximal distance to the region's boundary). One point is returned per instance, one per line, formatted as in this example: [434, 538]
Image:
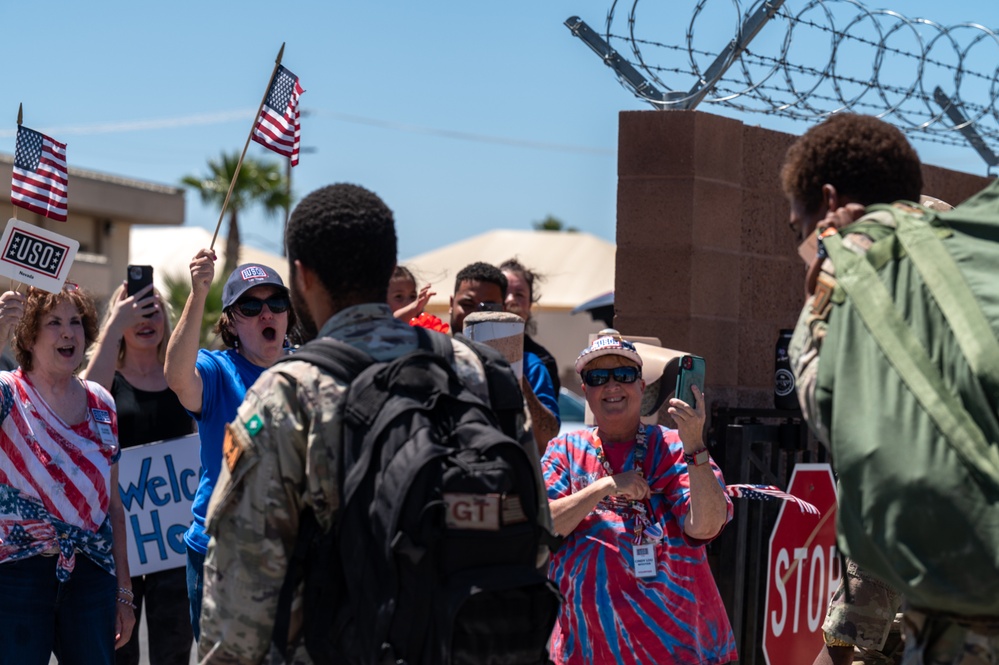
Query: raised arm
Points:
[11, 310]
[126, 312]
[182, 352]
[708, 503]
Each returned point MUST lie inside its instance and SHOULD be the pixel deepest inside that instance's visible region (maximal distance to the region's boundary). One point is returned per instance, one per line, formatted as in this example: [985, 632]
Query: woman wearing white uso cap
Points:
[636, 504]
[255, 320]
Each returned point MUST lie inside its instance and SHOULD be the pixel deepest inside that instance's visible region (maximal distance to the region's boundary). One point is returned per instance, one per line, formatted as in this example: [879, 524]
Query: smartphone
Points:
[691, 373]
[139, 277]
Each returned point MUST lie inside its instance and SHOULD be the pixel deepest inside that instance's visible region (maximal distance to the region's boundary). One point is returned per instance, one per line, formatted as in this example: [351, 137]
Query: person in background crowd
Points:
[520, 298]
[636, 505]
[403, 299]
[256, 317]
[128, 360]
[64, 582]
[482, 287]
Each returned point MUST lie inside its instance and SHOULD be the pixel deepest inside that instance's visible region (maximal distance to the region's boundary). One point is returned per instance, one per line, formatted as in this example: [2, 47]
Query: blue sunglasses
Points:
[598, 377]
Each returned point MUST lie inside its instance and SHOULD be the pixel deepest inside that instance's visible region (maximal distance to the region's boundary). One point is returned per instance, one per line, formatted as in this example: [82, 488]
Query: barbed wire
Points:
[811, 60]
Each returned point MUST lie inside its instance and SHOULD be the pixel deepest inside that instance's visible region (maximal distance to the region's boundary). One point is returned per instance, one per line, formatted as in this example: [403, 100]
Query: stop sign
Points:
[803, 569]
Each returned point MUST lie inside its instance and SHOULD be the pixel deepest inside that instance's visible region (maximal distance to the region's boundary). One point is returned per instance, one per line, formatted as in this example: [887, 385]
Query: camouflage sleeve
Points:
[810, 332]
[253, 520]
[803, 352]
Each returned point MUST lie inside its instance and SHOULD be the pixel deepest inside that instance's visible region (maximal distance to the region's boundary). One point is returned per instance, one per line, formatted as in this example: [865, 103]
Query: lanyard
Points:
[641, 516]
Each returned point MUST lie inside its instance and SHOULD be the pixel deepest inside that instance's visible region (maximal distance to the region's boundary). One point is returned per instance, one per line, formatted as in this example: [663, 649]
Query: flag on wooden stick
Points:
[278, 126]
[39, 176]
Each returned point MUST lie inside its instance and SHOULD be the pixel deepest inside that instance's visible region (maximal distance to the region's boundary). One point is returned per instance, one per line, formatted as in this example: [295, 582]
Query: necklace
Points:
[641, 516]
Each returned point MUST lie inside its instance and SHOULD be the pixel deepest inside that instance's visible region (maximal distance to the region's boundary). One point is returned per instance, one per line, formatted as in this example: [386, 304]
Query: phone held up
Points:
[691, 373]
[139, 277]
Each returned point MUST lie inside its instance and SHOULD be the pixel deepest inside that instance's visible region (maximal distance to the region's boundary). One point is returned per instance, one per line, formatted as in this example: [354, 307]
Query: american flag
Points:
[768, 493]
[277, 127]
[39, 179]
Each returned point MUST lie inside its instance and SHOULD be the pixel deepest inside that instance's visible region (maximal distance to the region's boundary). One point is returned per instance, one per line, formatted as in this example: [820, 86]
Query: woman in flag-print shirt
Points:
[64, 580]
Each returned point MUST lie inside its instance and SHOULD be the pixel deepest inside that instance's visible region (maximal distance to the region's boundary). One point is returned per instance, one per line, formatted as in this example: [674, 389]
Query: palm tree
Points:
[261, 183]
[177, 291]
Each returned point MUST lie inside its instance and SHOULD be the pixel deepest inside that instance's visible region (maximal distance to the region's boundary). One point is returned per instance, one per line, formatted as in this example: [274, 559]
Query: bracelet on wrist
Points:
[126, 592]
[126, 602]
[699, 457]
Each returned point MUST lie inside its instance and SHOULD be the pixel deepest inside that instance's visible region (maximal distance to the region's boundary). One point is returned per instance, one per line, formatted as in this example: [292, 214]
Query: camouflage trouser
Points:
[863, 617]
[938, 639]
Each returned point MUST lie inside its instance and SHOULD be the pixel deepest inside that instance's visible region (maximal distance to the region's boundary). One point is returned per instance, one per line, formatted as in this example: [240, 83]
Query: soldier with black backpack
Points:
[381, 498]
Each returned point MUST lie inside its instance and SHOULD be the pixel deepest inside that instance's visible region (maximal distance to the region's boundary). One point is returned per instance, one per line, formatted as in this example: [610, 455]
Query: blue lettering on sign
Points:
[180, 486]
[174, 537]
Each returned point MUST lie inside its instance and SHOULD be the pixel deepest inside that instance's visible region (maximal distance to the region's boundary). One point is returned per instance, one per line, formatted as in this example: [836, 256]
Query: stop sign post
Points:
[803, 569]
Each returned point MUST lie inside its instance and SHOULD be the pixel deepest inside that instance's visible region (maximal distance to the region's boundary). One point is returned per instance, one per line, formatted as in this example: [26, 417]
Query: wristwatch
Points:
[697, 458]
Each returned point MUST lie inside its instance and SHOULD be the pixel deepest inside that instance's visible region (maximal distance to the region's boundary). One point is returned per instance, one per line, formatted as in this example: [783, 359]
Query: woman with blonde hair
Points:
[128, 360]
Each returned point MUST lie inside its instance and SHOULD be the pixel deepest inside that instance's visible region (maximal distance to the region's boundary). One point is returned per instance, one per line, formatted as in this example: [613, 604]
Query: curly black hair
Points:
[864, 158]
[346, 235]
[481, 272]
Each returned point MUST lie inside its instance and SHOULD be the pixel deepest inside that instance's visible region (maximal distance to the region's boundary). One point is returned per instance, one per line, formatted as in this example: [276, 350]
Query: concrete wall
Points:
[705, 259]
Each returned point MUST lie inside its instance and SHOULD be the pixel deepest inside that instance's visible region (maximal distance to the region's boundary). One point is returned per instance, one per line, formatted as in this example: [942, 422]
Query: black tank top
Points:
[144, 417]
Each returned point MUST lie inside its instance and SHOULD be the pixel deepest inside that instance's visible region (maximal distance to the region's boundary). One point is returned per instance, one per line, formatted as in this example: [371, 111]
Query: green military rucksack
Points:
[908, 386]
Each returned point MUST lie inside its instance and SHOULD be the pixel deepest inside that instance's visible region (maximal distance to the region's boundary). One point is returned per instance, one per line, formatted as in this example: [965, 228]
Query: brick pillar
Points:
[705, 260]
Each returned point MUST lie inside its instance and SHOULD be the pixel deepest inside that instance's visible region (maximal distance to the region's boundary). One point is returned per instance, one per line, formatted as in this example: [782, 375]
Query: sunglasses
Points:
[598, 377]
[251, 307]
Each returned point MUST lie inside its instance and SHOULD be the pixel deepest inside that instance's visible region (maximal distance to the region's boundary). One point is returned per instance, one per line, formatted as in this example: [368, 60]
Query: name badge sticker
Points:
[102, 418]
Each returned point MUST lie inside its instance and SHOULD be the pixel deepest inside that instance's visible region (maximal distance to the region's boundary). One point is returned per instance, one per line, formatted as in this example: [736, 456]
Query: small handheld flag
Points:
[278, 125]
[39, 176]
[768, 493]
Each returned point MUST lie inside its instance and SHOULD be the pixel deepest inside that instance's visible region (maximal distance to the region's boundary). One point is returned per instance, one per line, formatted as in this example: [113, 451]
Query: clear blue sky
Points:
[152, 90]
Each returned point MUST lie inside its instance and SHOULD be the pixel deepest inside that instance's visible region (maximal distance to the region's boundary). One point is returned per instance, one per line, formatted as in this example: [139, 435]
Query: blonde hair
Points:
[167, 329]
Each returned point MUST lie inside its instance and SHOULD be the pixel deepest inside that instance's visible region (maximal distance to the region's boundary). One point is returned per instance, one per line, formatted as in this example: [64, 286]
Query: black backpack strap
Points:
[344, 362]
[338, 358]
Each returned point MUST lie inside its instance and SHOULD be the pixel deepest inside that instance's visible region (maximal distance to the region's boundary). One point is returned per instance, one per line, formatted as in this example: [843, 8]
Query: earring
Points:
[235, 344]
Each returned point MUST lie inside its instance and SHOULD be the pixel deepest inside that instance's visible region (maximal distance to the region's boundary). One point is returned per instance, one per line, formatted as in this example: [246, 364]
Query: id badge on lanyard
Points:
[645, 560]
[102, 419]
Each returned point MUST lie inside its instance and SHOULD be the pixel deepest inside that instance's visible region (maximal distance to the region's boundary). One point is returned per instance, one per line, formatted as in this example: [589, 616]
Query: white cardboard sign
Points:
[157, 483]
[36, 256]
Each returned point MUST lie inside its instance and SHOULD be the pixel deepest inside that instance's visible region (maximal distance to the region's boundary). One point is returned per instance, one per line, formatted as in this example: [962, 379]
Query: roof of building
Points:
[576, 266]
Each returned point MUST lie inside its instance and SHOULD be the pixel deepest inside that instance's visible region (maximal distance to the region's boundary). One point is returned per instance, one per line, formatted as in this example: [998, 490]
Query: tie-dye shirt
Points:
[610, 615]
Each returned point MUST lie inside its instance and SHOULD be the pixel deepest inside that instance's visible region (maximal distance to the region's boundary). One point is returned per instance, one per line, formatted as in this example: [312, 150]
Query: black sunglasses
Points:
[598, 377]
[251, 307]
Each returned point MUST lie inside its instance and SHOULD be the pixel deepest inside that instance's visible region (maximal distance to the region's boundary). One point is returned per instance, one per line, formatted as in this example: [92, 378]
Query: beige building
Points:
[102, 210]
[576, 267]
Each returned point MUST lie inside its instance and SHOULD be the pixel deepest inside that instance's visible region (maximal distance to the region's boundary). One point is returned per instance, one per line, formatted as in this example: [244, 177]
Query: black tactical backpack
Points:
[438, 554]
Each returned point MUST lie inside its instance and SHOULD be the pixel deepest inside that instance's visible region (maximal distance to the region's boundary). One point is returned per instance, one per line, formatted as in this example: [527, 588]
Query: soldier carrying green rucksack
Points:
[904, 314]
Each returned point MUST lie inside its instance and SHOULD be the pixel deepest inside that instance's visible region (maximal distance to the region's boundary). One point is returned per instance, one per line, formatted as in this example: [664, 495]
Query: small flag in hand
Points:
[768, 493]
[39, 177]
[277, 127]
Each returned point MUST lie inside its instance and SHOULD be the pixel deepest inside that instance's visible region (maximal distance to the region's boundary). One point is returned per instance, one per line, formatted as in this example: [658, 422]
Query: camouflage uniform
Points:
[864, 619]
[281, 456]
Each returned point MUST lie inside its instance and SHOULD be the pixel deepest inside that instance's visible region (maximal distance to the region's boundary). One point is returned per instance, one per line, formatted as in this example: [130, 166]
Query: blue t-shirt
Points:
[541, 383]
[225, 376]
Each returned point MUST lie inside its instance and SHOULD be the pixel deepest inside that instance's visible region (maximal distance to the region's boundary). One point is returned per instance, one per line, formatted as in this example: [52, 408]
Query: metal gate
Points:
[753, 446]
